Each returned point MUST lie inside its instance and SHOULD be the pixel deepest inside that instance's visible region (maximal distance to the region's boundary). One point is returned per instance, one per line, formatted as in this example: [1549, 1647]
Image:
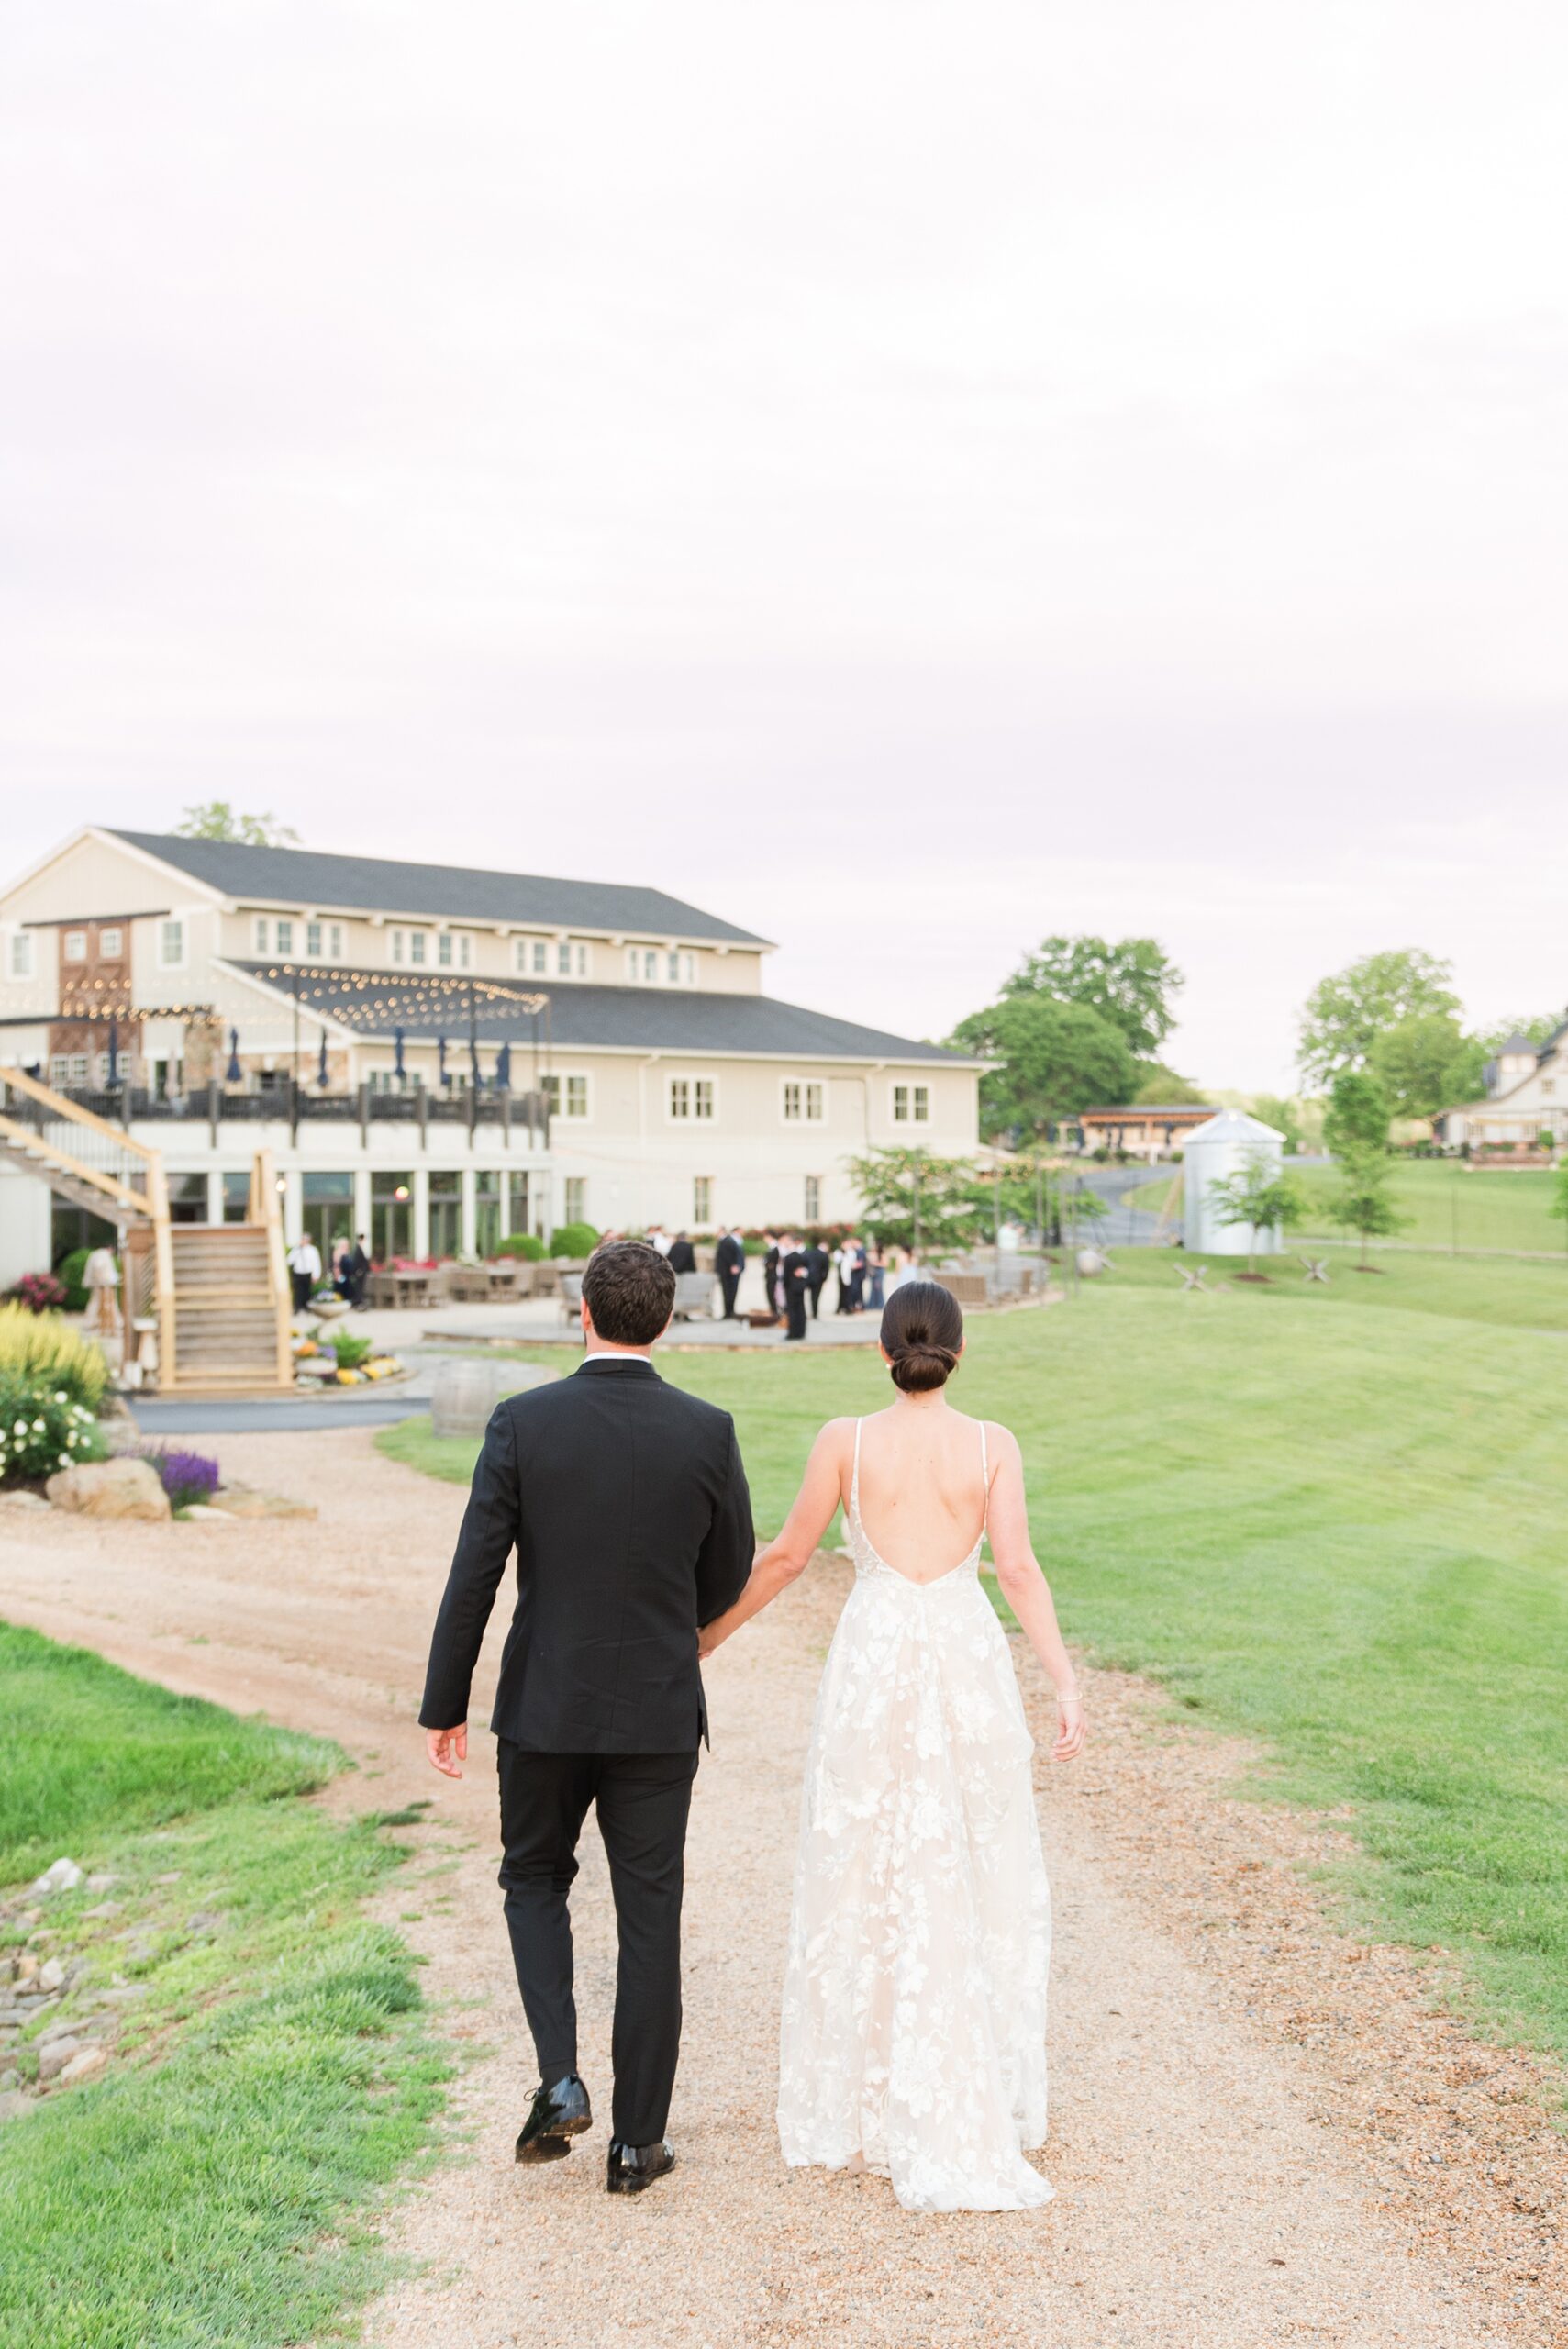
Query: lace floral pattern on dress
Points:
[914, 2008]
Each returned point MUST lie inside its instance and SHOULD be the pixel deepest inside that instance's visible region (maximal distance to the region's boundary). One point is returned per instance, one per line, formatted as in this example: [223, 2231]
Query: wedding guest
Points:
[358, 1274]
[771, 1270]
[794, 1279]
[877, 1277]
[820, 1265]
[305, 1270]
[680, 1255]
[729, 1263]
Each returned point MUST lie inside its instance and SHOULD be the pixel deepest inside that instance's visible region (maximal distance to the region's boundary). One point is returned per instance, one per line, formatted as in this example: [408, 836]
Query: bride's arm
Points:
[790, 1552]
[1027, 1591]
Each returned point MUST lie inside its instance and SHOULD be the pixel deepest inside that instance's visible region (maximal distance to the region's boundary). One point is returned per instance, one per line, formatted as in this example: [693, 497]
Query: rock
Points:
[55, 2053]
[239, 1500]
[205, 1920]
[10, 2079]
[464, 1394]
[26, 1965]
[104, 1909]
[171, 1878]
[200, 1513]
[86, 2065]
[7, 1970]
[123, 1488]
[21, 1500]
[51, 1974]
[101, 1882]
[13, 2105]
[125, 1997]
[63, 1876]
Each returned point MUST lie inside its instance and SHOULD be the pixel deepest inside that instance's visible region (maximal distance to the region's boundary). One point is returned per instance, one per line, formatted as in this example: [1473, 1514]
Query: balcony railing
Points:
[525, 1114]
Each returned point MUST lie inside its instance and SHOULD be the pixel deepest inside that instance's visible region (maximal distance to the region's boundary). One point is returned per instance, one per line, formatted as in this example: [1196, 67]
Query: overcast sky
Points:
[908, 478]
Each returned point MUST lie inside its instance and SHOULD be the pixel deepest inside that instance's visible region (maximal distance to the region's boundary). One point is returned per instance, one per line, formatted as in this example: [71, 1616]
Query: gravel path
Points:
[1233, 2167]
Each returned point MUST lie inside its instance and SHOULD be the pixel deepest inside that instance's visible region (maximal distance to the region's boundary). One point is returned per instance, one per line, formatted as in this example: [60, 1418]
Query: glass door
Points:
[446, 1214]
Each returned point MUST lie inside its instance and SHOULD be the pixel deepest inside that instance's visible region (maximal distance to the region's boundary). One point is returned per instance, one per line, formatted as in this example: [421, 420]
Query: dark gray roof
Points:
[652, 1020]
[300, 876]
[1515, 1044]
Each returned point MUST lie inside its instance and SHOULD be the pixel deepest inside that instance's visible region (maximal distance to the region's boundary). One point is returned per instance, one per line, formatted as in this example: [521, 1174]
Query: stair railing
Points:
[263, 1208]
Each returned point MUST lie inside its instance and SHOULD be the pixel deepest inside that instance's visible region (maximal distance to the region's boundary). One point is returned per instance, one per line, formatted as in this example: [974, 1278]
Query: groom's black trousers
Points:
[643, 1801]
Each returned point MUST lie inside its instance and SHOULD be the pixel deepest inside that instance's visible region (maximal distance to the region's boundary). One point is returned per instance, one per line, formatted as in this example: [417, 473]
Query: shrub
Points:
[69, 1272]
[187, 1478]
[524, 1244]
[350, 1352]
[42, 1428]
[573, 1240]
[40, 1292]
[42, 1347]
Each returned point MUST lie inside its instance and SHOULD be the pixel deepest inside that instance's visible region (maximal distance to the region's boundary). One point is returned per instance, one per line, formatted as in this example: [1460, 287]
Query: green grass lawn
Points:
[1332, 1518]
[273, 2080]
[1448, 1207]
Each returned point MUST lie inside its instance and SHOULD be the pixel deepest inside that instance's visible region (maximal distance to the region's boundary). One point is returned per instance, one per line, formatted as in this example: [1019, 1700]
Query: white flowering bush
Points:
[42, 1428]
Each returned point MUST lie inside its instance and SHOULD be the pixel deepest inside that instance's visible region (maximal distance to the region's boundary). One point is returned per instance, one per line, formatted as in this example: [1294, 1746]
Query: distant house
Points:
[1144, 1130]
[1525, 1098]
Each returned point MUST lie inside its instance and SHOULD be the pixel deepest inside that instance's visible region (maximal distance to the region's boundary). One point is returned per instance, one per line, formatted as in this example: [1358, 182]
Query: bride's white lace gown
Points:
[914, 2005]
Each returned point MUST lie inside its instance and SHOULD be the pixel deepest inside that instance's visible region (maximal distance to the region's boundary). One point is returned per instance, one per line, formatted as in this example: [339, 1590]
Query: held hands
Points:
[1069, 1735]
[447, 1748]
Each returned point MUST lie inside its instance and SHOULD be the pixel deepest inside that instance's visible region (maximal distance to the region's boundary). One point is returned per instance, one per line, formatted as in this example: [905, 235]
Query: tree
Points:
[1357, 1119]
[1257, 1195]
[1275, 1110]
[1161, 1087]
[216, 819]
[1057, 1060]
[1130, 985]
[910, 1197]
[1346, 1014]
[1558, 1203]
[1414, 1060]
[1361, 1203]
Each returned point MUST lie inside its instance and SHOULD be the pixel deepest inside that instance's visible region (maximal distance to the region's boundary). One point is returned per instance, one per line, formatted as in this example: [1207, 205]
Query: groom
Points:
[627, 1504]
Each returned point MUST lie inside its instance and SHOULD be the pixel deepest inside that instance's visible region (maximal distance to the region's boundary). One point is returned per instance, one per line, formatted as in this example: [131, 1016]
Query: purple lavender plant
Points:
[188, 1477]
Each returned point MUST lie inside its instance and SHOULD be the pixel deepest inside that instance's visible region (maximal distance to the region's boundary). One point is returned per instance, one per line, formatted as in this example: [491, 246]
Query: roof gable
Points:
[297, 876]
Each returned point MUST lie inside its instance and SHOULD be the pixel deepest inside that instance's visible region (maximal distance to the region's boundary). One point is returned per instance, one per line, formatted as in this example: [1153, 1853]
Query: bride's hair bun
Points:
[922, 1332]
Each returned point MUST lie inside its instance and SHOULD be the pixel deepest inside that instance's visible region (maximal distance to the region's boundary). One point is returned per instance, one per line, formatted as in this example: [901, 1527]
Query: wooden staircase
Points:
[219, 1292]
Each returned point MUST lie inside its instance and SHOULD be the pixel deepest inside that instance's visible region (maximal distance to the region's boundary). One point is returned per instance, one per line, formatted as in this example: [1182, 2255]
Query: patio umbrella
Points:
[234, 1074]
[504, 1068]
[321, 1063]
[474, 1063]
[114, 1049]
[441, 1059]
[397, 1053]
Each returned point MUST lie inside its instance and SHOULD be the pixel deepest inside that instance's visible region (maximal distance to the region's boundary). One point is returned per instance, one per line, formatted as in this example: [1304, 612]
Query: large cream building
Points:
[338, 1010]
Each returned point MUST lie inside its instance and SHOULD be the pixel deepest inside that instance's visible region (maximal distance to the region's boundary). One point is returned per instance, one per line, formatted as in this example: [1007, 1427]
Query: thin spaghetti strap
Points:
[986, 1479]
[855, 1477]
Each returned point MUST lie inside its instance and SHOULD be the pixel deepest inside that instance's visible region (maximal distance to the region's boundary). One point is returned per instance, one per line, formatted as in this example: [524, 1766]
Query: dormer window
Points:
[416, 941]
[73, 946]
[286, 937]
[659, 966]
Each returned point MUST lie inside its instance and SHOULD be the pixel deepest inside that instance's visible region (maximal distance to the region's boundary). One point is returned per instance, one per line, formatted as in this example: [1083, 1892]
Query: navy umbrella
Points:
[504, 1068]
[442, 1060]
[235, 1074]
[114, 1049]
[397, 1053]
[321, 1063]
[474, 1063]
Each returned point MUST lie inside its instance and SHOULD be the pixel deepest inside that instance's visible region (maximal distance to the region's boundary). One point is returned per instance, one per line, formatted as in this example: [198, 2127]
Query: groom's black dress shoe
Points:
[633, 2168]
[558, 2114]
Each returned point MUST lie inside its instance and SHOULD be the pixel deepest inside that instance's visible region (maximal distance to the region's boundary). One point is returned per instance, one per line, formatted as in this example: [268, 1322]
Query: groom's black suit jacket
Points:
[627, 1504]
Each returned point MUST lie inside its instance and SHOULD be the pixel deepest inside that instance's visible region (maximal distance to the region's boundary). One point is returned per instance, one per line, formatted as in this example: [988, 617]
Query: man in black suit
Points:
[627, 1504]
[771, 1271]
[818, 1264]
[358, 1274]
[795, 1273]
[729, 1263]
[682, 1256]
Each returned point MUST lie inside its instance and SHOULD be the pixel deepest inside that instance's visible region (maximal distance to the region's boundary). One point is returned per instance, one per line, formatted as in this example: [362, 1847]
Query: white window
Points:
[261, 935]
[335, 941]
[444, 949]
[702, 1198]
[680, 1097]
[22, 954]
[171, 945]
[571, 958]
[803, 1101]
[111, 945]
[397, 946]
[68, 1068]
[74, 946]
[313, 940]
[692, 1096]
[568, 1096]
[286, 937]
[813, 1198]
[576, 1189]
[681, 969]
[416, 945]
[911, 1105]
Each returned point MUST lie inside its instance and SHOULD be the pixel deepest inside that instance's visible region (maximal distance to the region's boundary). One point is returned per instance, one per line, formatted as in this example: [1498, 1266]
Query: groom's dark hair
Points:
[629, 1292]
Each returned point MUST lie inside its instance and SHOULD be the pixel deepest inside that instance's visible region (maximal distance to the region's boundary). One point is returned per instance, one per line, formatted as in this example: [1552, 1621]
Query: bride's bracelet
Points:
[1069, 1696]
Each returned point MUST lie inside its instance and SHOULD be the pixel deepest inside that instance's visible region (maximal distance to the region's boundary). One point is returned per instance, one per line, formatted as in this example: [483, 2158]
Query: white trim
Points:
[691, 1078]
[807, 1085]
[169, 922]
[561, 1077]
[911, 1085]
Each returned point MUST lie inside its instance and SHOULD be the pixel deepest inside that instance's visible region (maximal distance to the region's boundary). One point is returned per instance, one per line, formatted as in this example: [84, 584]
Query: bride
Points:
[914, 2004]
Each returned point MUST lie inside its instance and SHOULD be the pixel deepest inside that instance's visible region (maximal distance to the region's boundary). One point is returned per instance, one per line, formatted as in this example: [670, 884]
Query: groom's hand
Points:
[447, 1748]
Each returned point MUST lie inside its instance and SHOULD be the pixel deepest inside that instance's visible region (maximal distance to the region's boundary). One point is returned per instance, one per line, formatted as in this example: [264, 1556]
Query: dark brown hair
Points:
[629, 1291]
[922, 1331]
